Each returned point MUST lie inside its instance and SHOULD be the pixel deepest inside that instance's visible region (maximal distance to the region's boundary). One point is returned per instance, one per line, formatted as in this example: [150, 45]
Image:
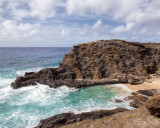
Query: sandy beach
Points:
[155, 84]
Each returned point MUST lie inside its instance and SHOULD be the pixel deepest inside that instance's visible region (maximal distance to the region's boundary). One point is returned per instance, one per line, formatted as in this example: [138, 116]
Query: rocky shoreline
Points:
[147, 99]
[101, 62]
[98, 63]
[68, 118]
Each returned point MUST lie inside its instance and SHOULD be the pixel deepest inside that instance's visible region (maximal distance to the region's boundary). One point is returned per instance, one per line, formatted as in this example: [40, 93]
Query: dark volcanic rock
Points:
[44, 76]
[67, 118]
[153, 106]
[118, 101]
[140, 97]
[135, 81]
[110, 61]
[151, 92]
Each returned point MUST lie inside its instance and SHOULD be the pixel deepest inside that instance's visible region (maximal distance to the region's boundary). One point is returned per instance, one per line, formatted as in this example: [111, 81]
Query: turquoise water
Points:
[25, 107]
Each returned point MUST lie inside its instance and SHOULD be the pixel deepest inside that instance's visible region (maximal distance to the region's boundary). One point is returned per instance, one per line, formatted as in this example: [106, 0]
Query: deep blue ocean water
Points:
[25, 107]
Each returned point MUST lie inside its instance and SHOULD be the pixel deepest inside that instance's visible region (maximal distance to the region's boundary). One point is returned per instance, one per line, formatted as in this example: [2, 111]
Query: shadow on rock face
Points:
[153, 106]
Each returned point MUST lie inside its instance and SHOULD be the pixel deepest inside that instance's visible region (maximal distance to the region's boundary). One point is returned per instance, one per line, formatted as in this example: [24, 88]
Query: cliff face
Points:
[110, 61]
[113, 59]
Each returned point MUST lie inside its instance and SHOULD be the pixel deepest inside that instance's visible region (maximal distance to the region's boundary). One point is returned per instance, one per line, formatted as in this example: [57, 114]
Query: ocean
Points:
[25, 107]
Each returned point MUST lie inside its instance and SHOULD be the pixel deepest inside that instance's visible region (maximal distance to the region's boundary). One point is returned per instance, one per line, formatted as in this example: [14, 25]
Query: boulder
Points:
[118, 101]
[135, 80]
[140, 97]
[153, 106]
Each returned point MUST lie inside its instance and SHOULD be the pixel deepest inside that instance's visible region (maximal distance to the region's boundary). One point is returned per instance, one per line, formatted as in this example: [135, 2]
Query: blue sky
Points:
[61, 23]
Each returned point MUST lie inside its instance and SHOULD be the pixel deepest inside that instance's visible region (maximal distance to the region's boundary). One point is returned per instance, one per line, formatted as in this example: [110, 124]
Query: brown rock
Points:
[138, 118]
[135, 81]
[140, 97]
[153, 106]
[118, 101]
[109, 61]
[68, 118]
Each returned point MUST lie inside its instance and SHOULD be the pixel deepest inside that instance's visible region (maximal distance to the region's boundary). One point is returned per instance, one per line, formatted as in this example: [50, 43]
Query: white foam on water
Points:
[91, 105]
[6, 92]
[5, 81]
[64, 91]
[110, 105]
[92, 109]
[44, 96]
[20, 118]
[40, 95]
[5, 88]
[22, 72]
[122, 86]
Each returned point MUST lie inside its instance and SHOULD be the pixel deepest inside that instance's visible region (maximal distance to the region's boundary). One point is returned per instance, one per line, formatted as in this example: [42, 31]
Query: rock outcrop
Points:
[140, 97]
[68, 118]
[101, 62]
[139, 118]
[153, 106]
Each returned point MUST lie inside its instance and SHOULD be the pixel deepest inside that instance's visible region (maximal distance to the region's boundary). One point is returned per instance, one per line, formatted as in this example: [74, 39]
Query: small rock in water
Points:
[118, 101]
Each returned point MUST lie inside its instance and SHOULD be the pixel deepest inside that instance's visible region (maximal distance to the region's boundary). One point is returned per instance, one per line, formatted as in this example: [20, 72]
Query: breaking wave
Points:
[26, 106]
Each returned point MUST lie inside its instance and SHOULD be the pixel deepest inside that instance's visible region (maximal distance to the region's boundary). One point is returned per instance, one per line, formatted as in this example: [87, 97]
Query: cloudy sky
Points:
[61, 23]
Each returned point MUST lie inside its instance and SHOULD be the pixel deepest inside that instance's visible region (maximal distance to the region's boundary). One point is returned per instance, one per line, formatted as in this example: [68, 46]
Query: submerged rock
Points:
[118, 101]
[101, 62]
[68, 118]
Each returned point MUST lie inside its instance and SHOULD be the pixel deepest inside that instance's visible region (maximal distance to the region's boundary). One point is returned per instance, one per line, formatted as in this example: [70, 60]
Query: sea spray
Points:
[25, 107]
[29, 105]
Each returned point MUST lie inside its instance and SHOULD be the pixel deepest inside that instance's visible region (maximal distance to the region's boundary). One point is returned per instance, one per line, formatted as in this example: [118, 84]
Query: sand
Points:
[153, 84]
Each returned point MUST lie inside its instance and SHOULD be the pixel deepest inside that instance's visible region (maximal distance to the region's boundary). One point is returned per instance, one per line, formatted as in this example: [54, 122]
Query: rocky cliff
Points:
[101, 62]
[146, 116]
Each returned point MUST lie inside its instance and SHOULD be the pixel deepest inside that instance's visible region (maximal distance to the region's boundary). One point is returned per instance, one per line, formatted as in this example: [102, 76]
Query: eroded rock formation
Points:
[101, 62]
[153, 106]
[68, 118]
[140, 97]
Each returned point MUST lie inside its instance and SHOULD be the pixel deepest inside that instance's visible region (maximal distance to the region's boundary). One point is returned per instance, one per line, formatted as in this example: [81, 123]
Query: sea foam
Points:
[29, 105]
[26, 106]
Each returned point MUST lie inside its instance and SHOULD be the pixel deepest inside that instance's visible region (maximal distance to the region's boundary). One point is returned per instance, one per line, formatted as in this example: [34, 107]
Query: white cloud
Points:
[114, 8]
[138, 13]
[40, 9]
[96, 30]
[128, 18]
[123, 28]
[65, 31]
[98, 23]
[1, 8]
[43, 9]
[12, 31]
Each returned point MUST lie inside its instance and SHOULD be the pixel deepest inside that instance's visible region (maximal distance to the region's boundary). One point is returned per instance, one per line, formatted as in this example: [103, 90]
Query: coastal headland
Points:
[136, 65]
[101, 62]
